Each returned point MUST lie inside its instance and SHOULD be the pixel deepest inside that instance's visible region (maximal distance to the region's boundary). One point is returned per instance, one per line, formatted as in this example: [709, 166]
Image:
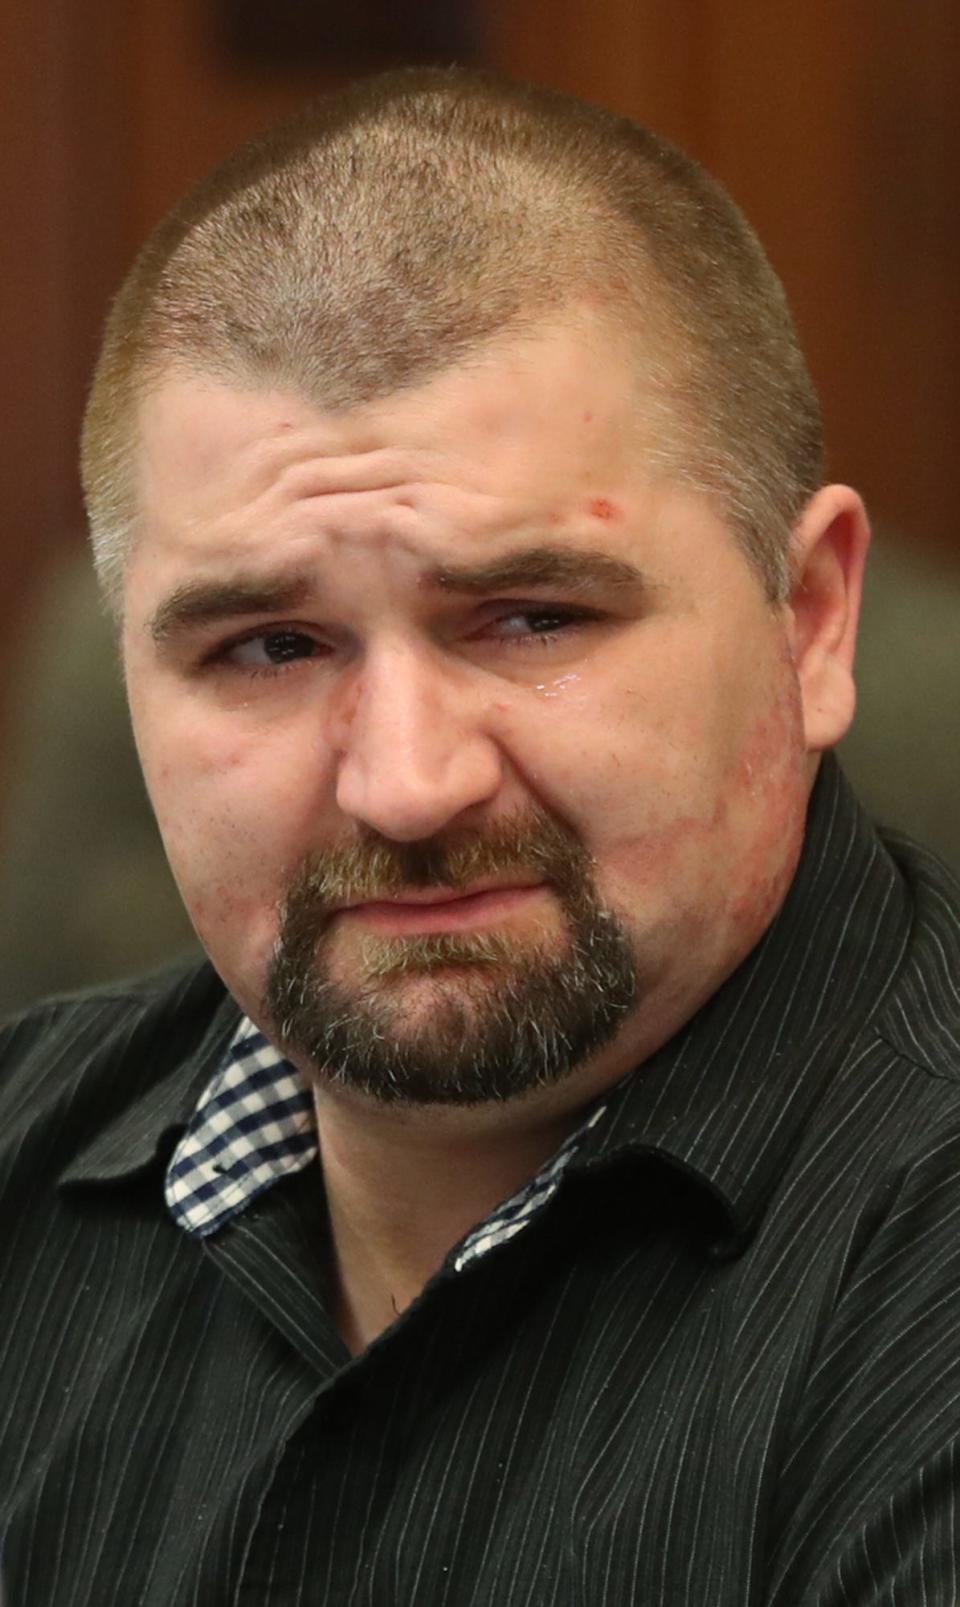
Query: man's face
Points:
[497, 734]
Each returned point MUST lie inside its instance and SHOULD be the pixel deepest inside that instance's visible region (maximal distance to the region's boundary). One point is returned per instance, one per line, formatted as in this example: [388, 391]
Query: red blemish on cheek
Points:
[588, 418]
[603, 508]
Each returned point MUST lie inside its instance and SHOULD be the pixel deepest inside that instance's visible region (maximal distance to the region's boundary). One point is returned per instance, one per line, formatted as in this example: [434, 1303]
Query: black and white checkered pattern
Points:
[255, 1123]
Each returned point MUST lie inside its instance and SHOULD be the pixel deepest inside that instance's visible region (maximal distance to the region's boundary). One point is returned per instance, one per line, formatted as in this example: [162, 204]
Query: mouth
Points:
[441, 910]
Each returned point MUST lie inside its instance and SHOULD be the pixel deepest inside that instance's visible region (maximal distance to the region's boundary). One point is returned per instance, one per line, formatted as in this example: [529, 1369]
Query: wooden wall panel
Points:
[31, 468]
[635, 56]
[58, 135]
[837, 129]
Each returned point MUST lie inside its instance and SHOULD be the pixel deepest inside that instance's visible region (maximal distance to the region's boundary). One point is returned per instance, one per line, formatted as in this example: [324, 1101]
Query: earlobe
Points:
[829, 552]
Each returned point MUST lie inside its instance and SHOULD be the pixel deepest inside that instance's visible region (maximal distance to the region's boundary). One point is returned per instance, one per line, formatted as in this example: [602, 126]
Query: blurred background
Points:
[834, 123]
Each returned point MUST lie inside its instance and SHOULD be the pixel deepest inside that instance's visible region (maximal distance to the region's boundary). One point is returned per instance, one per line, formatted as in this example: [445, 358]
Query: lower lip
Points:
[455, 915]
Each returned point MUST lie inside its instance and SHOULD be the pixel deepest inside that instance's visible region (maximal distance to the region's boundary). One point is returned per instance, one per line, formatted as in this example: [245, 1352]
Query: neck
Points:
[404, 1187]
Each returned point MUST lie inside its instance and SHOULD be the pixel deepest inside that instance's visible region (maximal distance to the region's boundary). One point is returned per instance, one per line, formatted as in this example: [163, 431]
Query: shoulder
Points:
[95, 1015]
[78, 1059]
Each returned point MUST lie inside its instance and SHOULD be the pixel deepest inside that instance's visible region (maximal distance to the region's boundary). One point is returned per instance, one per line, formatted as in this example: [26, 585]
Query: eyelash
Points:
[220, 657]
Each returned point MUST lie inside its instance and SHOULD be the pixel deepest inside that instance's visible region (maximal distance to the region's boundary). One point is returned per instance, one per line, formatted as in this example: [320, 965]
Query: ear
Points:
[828, 551]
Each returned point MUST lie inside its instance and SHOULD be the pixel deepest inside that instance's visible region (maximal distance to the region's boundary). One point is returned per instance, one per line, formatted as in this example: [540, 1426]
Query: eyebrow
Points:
[205, 602]
[568, 567]
[200, 603]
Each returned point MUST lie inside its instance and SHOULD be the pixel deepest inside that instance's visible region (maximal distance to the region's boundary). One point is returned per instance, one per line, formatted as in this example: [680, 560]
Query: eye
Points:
[524, 622]
[268, 650]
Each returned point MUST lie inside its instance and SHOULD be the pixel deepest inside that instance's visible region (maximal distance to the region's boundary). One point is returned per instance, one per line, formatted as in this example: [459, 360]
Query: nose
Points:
[413, 751]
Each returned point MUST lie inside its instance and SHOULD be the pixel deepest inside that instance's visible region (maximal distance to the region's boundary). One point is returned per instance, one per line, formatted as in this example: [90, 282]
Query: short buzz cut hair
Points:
[393, 227]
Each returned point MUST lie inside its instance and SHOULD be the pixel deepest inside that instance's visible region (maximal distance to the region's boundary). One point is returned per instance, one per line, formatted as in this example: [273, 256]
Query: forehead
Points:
[554, 406]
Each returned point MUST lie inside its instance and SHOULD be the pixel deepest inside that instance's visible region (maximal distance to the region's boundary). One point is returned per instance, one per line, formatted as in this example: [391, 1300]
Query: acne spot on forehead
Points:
[603, 508]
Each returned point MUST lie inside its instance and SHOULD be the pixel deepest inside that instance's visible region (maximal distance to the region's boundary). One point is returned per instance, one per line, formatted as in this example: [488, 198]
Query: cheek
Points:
[638, 768]
[769, 794]
[236, 811]
[715, 863]
[200, 769]
[700, 816]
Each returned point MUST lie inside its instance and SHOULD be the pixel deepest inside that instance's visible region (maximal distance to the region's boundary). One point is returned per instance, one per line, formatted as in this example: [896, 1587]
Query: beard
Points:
[450, 1018]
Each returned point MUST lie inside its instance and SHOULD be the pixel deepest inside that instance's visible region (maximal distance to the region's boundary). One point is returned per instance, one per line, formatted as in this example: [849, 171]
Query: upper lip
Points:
[444, 895]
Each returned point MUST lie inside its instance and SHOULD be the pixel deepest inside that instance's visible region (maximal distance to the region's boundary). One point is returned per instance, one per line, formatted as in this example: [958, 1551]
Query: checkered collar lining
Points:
[255, 1123]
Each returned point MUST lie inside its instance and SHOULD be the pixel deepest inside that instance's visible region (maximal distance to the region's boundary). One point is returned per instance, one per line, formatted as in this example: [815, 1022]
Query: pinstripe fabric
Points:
[721, 1365]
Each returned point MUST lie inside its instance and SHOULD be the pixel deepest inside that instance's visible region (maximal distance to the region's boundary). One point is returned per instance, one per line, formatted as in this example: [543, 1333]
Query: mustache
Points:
[373, 867]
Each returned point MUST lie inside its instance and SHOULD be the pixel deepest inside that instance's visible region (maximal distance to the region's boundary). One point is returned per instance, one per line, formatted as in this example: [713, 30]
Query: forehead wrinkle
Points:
[309, 474]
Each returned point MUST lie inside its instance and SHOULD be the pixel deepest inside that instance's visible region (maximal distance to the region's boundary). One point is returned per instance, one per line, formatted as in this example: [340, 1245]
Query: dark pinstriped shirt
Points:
[719, 1368]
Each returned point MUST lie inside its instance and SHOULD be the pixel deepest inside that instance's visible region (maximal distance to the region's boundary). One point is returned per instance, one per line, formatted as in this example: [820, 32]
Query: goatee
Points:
[493, 1014]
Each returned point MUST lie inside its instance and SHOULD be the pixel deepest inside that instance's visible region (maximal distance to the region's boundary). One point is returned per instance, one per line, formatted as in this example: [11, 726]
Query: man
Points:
[548, 1193]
